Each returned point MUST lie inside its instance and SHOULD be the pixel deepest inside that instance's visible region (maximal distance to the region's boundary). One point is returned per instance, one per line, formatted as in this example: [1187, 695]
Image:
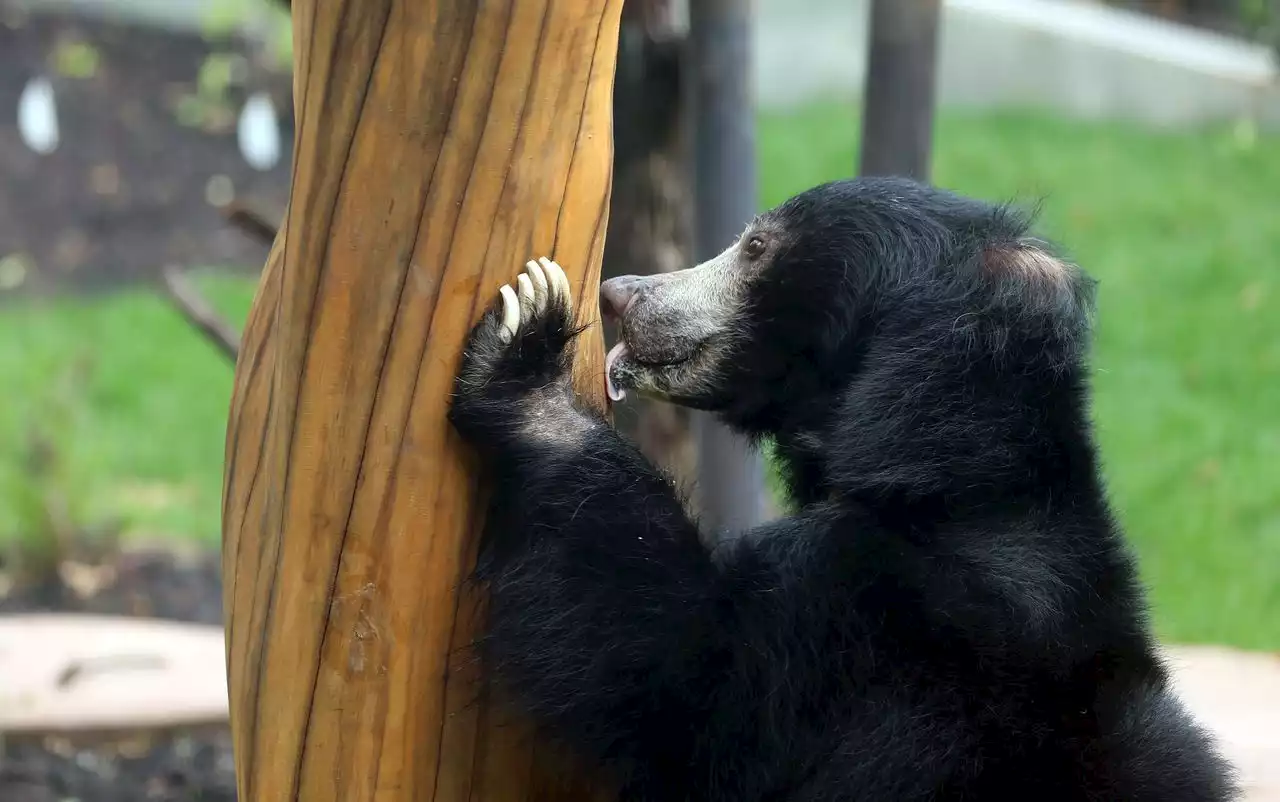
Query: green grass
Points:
[1183, 231]
[144, 440]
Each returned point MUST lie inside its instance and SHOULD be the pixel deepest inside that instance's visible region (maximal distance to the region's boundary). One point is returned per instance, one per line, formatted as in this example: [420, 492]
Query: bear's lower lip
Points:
[615, 393]
[622, 353]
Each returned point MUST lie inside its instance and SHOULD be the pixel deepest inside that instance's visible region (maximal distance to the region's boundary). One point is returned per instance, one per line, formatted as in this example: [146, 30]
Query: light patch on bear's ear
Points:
[1026, 259]
[1027, 276]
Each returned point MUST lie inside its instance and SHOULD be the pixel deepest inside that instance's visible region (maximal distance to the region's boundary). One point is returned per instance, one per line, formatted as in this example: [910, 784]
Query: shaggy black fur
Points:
[951, 612]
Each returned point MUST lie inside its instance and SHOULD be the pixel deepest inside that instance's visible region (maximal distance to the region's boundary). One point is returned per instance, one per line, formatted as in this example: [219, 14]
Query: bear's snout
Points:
[617, 295]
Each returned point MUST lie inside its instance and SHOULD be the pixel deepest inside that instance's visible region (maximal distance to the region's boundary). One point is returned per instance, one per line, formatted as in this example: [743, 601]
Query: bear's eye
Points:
[754, 248]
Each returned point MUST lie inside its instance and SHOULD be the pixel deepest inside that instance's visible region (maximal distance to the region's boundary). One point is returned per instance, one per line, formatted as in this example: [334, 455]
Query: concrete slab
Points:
[85, 673]
[1236, 694]
[1079, 59]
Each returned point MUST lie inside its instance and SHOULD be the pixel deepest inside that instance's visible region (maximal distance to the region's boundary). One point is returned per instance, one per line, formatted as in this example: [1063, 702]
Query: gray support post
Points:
[897, 110]
[730, 474]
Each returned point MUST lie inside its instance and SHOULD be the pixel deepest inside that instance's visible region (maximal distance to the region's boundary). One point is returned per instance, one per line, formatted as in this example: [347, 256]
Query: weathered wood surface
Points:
[439, 145]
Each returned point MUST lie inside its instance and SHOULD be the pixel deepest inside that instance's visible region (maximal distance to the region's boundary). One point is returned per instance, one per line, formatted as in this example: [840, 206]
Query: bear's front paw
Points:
[520, 346]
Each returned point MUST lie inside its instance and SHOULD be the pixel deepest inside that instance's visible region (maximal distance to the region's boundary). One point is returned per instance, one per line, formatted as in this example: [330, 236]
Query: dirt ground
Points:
[125, 192]
[182, 767]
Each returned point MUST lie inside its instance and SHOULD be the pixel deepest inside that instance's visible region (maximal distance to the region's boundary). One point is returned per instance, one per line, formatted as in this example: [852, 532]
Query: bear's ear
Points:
[1028, 275]
[1026, 269]
[1026, 260]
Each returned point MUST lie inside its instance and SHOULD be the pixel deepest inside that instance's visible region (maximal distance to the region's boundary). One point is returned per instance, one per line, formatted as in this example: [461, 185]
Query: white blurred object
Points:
[66, 673]
[38, 116]
[1236, 694]
[258, 132]
[1073, 58]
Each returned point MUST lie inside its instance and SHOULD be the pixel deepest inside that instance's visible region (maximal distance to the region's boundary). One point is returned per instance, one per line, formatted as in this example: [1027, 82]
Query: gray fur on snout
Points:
[679, 328]
[674, 314]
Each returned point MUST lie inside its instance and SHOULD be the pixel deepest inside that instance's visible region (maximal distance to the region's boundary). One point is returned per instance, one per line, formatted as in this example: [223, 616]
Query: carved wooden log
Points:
[439, 145]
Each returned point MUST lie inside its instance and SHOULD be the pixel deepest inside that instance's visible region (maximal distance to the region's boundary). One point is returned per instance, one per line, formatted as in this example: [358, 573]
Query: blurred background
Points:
[144, 162]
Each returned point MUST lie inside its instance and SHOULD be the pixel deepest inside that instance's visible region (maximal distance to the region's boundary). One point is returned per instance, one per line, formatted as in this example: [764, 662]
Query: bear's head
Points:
[839, 277]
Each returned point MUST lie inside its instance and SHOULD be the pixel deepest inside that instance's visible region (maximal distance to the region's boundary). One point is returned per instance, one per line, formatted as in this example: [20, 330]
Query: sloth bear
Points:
[949, 614]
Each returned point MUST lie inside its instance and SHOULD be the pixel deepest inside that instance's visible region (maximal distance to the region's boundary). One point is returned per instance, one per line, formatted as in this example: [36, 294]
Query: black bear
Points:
[949, 614]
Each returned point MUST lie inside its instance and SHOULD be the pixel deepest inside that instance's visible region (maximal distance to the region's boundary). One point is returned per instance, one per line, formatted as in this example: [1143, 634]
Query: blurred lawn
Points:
[1183, 231]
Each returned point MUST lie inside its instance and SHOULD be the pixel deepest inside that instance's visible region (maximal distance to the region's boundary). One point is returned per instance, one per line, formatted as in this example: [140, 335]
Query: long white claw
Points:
[510, 311]
[539, 278]
[528, 304]
[556, 277]
[564, 283]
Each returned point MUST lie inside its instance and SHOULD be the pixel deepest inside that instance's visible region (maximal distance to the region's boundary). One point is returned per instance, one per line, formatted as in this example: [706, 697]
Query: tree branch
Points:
[251, 223]
[200, 313]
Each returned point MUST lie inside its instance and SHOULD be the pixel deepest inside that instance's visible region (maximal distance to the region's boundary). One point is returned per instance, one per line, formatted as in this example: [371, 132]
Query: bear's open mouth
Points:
[621, 351]
[615, 393]
[635, 366]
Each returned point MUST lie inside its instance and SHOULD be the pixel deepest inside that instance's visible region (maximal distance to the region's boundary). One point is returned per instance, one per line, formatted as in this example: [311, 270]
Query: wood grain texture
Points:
[439, 145]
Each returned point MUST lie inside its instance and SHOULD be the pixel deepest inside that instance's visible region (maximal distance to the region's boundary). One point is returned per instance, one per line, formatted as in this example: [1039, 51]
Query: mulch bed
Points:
[125, 192]
[189, 766]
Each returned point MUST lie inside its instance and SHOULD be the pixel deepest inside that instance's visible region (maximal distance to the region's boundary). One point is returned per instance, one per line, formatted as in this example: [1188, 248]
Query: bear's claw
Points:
[543, 283]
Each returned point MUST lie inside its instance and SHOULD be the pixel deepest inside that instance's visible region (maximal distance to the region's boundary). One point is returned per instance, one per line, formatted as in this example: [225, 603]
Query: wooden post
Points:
[439, 145]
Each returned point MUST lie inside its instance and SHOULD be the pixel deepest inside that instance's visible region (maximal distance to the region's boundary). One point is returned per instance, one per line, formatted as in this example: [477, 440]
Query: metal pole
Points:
[730, 474]
[897, 116]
